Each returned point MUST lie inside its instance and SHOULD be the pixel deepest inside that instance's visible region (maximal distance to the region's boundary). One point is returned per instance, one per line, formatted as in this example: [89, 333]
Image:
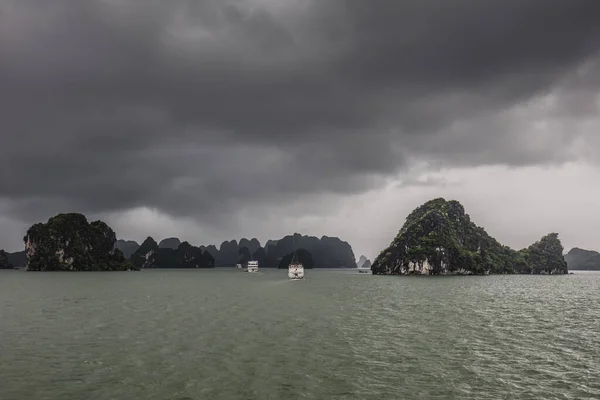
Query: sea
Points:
[227, 334]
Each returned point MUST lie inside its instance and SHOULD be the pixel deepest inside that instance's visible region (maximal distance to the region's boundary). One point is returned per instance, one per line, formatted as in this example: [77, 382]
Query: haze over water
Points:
[224, 334]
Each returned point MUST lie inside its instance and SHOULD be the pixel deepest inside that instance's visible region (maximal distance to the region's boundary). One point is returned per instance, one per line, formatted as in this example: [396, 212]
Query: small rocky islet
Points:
[437, 238]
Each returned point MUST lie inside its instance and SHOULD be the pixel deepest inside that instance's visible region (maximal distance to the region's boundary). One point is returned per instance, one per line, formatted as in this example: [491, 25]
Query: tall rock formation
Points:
[67, 242]
[228, 253]
[439, 238]
[252, 245]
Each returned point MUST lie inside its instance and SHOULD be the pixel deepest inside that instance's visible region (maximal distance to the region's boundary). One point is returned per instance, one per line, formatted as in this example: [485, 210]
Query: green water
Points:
[226, 334]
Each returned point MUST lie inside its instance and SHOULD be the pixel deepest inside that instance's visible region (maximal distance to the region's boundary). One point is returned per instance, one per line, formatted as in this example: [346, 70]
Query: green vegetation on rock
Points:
[67, 242]
[439, 238]
[544, 257]
[4, 262]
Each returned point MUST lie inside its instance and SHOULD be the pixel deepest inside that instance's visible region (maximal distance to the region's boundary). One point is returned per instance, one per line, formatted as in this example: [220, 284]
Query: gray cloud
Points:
[199, 108]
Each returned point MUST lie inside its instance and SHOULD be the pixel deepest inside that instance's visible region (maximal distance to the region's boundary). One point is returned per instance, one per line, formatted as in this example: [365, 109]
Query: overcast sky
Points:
[221, 119]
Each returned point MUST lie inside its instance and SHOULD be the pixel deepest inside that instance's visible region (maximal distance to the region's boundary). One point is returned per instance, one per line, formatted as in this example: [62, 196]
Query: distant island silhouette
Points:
[437, 238]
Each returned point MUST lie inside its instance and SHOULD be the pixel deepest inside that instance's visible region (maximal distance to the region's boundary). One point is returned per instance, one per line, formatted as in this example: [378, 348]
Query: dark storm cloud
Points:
[197, 107]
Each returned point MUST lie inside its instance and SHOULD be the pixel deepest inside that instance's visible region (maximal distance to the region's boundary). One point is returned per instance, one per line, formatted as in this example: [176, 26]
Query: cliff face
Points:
[4, 262]
[145, 255]
[439, 238]
[150, 255]
[67, 242]
[580, 259]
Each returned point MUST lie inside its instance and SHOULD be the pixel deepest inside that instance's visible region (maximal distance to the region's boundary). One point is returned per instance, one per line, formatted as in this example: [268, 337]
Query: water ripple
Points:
[222, 334]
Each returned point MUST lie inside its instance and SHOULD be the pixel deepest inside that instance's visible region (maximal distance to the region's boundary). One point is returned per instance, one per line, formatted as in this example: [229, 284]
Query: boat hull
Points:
[252, 266]
[296, 272]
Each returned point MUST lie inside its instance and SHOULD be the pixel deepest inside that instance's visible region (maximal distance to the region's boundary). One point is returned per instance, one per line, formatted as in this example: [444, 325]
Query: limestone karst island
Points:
[438, 238]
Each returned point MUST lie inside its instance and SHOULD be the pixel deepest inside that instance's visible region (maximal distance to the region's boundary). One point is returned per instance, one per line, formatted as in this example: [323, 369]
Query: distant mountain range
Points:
[327, 252]
[580, 259]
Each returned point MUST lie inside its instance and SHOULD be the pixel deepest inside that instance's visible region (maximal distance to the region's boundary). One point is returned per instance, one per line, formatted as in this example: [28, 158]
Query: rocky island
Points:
[439, 238]
[583, 260]
[4, 261]
[326, 252]
[363, 262]
[67, 242]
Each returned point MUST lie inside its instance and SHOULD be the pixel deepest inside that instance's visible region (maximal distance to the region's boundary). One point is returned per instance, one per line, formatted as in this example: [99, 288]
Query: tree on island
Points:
[541, 256]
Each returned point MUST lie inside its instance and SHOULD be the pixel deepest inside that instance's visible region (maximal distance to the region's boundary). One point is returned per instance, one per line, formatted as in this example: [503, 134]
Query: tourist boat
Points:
[252, 266]
[362, 270]
[295, 269]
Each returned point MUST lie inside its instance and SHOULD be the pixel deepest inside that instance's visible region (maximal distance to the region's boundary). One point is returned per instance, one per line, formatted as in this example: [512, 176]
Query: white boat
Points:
[295, 269]
[238, 265]
[252, 266]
